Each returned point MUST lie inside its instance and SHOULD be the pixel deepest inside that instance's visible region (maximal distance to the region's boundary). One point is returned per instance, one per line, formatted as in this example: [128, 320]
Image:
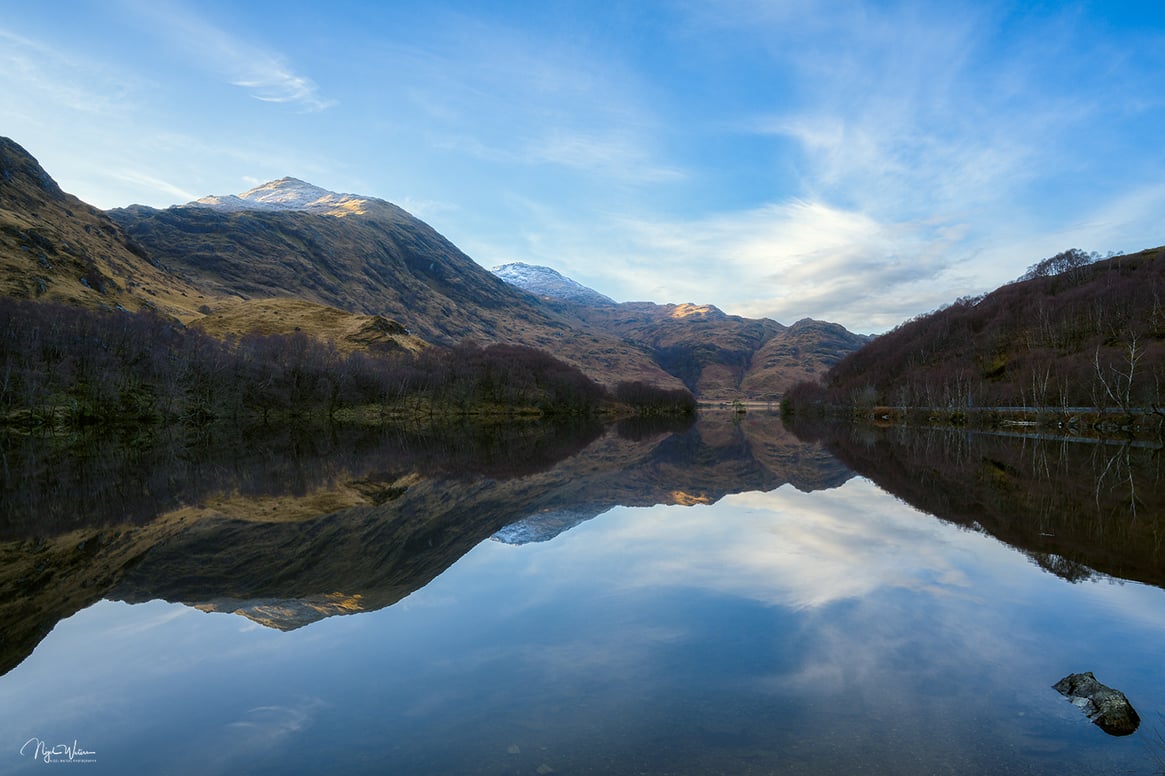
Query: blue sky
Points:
[848, 161]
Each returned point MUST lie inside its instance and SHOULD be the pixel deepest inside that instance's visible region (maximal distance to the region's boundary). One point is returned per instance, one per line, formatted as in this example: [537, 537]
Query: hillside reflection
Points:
[286, 527]
[1076, 507]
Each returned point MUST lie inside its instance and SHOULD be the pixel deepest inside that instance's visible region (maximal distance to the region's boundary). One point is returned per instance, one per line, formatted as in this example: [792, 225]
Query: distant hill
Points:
[804, 351]
[718, 356]
[1082, 334]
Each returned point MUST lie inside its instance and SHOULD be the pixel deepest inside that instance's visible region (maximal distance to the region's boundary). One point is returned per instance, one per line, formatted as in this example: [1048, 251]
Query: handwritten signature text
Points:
[58, 753]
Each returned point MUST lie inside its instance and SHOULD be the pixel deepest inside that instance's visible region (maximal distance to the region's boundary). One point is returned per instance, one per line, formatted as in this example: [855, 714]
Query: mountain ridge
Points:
[375, 259]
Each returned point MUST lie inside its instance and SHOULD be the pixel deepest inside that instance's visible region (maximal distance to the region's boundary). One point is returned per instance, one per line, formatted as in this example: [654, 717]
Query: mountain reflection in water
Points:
[292, 526]
[724, 597]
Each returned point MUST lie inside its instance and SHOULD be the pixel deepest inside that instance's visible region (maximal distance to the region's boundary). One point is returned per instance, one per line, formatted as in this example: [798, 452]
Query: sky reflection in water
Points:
[778, 632]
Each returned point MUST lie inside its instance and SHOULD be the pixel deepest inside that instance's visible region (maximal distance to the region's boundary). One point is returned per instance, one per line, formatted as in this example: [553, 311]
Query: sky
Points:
[857, 162]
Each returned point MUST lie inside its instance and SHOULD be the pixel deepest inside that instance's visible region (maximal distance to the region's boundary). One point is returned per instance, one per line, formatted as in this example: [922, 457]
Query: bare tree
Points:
[1118, 381]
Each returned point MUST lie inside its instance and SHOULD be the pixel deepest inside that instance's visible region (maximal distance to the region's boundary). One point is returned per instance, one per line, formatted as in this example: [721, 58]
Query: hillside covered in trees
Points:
[66, 365]
[1073, 332]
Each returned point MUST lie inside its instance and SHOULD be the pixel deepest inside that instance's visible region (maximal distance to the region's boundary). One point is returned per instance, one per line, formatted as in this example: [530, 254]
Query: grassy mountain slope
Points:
[372, 258]
[349, 331]
[54, 247]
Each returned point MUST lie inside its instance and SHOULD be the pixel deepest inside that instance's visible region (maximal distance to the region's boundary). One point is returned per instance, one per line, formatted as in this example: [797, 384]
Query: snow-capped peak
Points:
[544, 281]
[286, 194]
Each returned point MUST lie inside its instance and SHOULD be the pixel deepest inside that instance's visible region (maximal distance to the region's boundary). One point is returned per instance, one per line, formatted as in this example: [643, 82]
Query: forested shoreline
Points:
[1075, 338]
[66, 366]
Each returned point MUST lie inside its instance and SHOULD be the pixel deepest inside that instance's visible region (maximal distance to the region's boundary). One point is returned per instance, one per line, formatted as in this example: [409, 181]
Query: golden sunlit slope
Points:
[54, 247]
[348, 331]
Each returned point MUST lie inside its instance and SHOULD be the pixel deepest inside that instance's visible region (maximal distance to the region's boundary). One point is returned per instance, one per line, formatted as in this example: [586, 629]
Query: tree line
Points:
[1075, 331]
[62, 364]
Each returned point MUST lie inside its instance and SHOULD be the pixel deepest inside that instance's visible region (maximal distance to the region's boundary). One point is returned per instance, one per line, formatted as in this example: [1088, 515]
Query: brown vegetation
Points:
[347, 331]
[1092, 336]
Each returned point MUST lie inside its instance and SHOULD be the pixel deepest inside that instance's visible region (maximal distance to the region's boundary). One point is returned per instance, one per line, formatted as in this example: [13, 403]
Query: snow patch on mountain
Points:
[285, 194]
[544, 526]
[546, 282]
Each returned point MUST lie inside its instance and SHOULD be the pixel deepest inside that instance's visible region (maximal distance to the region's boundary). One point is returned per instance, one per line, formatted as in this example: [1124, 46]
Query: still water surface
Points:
[807, 622]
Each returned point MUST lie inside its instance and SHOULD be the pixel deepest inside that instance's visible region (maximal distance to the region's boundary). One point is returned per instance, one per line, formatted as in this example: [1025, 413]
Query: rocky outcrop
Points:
[1106, 707]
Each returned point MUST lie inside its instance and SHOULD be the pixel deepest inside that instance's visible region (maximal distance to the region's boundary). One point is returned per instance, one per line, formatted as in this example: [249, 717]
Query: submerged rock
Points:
[1108, 708]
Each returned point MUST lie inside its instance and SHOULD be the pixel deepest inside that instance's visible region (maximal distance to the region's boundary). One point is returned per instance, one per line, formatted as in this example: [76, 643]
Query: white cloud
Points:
[142, 180]
[35, 73]
[797, 550]
[266, 74]
[933, 160]
[784, 261]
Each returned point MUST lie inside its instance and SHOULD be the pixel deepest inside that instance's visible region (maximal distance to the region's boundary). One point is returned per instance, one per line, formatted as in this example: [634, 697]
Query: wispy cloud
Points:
[266, 75]
[784, 261]
[500, 94]
[34, 72]
[142, 180]
[616, 154]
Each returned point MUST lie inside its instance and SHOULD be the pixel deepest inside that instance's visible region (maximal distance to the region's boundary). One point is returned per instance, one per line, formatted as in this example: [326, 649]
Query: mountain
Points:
[287, 194]
[549, 283]
[54, 247]
[290, 240]
[804, 351]
[1089, 335]
[717, 356]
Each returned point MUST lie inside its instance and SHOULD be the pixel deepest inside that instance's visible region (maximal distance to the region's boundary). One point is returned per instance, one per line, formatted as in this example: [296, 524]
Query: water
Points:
[722, 599]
